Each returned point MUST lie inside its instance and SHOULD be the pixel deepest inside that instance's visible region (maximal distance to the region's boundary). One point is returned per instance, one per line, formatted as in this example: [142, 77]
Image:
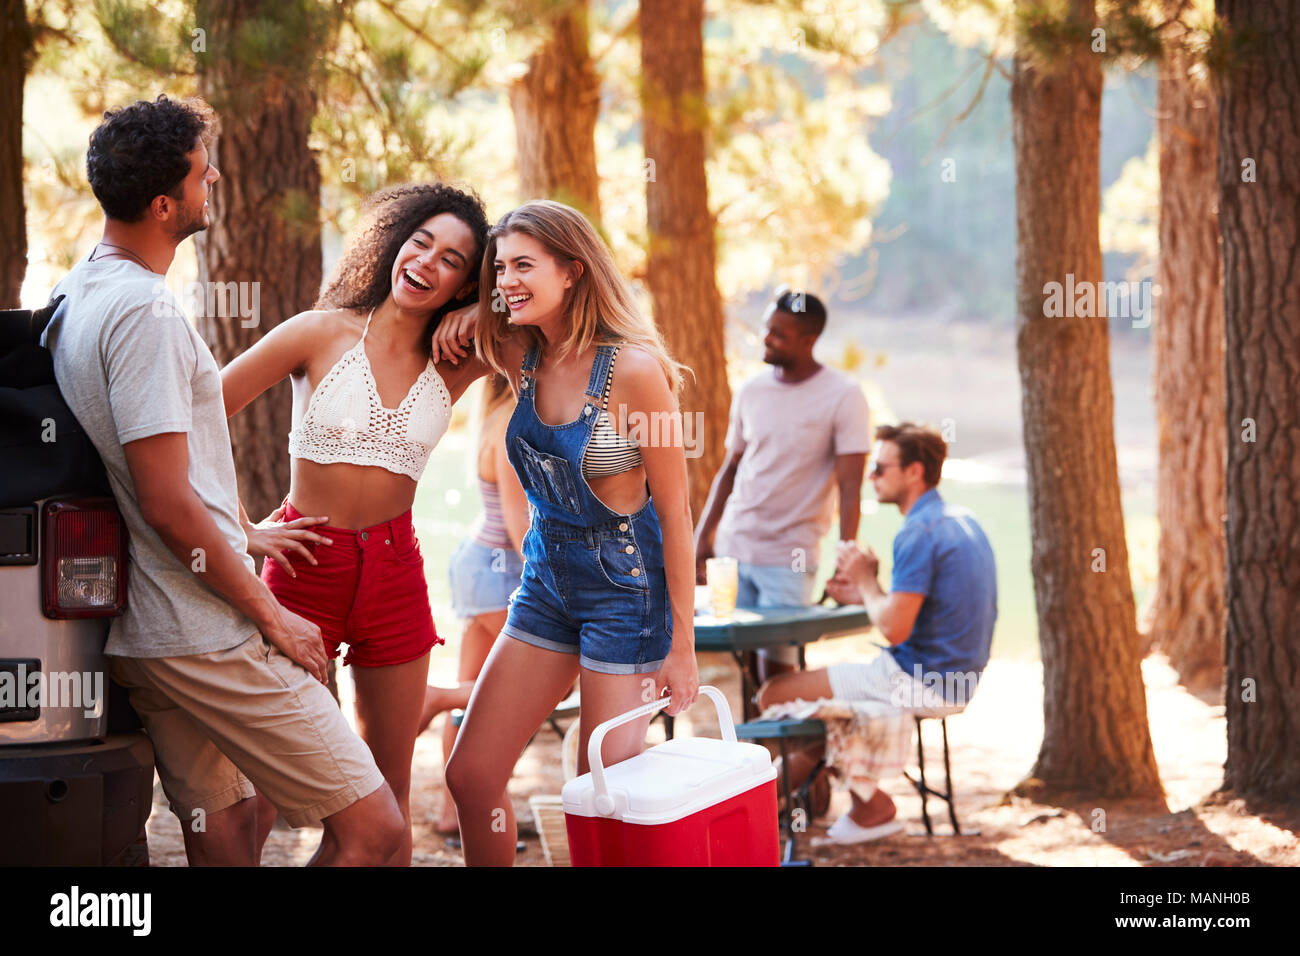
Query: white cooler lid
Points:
[673, 780]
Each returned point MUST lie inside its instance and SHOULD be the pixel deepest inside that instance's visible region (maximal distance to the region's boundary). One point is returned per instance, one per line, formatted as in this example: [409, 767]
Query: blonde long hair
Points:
[494, 398]
[600, 306]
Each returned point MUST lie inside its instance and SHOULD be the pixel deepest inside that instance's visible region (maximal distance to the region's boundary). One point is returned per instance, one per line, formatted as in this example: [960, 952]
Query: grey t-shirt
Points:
[783, 497]
[130, 365]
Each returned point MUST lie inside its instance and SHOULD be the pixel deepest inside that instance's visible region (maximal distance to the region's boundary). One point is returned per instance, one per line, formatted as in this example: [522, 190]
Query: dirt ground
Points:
[993, 745]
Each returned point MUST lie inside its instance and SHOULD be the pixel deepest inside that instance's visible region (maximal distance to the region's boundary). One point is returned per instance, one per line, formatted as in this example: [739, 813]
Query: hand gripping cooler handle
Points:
[604, 802]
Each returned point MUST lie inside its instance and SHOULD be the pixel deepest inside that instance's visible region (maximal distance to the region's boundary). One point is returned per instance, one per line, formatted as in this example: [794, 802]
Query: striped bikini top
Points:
[608, 452]
[346, 422]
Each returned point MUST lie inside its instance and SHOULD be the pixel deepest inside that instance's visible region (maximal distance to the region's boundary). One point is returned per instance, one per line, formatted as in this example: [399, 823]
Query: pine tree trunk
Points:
[1259, 215]
[1188, 617]
[15, 49]
[265, 230]
[682, 258]
[555, 106]
[1095, 736]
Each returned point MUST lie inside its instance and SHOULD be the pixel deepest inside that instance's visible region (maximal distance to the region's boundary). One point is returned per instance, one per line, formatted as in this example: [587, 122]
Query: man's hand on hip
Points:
[300, 640]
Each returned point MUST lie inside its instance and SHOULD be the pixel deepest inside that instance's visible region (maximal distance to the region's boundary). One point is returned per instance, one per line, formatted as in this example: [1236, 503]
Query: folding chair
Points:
[923, 788]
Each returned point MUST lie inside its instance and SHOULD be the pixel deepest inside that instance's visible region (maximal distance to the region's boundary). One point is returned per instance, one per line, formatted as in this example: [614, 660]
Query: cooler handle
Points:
[604, 802]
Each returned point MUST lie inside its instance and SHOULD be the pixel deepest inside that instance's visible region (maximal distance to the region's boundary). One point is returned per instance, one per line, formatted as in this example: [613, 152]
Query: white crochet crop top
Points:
[346, 422]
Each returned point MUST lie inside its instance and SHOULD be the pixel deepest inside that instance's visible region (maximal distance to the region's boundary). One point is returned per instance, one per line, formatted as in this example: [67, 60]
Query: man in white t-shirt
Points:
[229, 684]
[797, 445]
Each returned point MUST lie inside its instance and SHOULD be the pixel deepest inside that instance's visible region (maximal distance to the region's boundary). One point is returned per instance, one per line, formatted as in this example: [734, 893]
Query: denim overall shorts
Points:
[593, 581]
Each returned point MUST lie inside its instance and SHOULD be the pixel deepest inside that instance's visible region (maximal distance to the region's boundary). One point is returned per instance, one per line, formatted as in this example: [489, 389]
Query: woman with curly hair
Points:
[369, 404]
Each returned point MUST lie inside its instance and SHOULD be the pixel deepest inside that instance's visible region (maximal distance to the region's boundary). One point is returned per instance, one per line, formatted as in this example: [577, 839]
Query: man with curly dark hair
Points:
[166, 132]
[229, 684]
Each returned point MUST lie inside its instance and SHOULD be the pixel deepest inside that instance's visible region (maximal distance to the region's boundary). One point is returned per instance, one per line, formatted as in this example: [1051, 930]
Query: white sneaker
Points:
[845, 832]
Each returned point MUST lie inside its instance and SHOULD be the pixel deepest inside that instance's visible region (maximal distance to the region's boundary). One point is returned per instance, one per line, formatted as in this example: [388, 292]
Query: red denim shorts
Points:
[367, 590]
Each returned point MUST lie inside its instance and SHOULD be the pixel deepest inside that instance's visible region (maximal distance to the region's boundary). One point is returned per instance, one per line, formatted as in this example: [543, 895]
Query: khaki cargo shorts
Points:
[224, 722]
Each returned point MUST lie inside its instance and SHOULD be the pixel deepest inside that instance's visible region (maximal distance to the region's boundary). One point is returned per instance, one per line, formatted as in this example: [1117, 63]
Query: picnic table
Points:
[749, 630]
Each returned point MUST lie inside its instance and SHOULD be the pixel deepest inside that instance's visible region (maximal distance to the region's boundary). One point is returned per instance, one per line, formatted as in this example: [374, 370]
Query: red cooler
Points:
[691, 801]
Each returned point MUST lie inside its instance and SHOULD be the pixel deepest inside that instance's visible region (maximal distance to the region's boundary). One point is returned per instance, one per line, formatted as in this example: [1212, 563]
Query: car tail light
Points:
[83, 559]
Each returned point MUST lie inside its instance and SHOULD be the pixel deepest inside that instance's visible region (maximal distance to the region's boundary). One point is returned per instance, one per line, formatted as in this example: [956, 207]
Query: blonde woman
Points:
[485, 569]
[609, 565]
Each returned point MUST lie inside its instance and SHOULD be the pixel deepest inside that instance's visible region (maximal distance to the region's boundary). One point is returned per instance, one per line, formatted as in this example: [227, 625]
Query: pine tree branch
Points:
[935, 103]
[112, 31]
[392, 11]
[361, 82]
[131, 57]
[990, 62]
[41, 32]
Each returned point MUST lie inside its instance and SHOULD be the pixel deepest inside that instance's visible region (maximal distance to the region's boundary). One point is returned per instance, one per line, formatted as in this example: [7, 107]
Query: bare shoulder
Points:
[494, 427]
[327, 323]
[327, 331]
[513, 350]
[639, 384]
[316, 336]
[637, 373]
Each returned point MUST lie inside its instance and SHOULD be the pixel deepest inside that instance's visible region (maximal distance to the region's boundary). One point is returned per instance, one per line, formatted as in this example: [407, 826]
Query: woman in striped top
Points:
[485, 569]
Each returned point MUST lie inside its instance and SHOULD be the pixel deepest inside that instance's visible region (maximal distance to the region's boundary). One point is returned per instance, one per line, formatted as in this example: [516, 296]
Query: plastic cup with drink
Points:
[723, 578]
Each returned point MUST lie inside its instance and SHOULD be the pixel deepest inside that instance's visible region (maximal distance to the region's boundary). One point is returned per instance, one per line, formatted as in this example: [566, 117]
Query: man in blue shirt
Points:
[938, 617]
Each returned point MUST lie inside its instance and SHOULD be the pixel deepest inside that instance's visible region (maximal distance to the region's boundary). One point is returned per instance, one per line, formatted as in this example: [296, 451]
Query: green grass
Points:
[448, 500]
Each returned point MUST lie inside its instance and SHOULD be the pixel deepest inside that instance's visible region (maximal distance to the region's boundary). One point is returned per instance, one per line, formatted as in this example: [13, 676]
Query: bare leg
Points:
[605, 696]
[796, 685]
[388, 711]
[228, 837]
[439, 700]
[800, 763]
[519, 686]
[368, 833]
[765, 667]
[869, 813]
[266, 814]
[474, 648]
